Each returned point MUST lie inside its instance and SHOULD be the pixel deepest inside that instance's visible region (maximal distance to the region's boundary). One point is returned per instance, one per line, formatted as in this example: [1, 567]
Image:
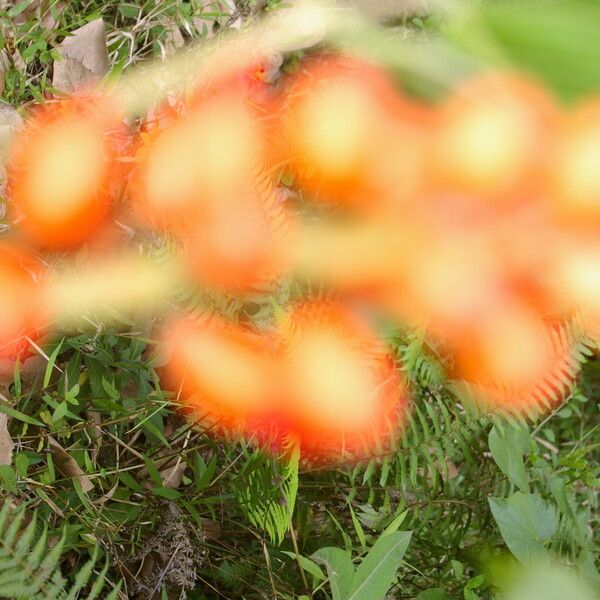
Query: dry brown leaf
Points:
[40, 10]
[6, 443]
[68, 466]
[95, 432]
[48, 20]
[10, 122]
[173, 38]
[171, 476]
[84, 59]
[30, 368]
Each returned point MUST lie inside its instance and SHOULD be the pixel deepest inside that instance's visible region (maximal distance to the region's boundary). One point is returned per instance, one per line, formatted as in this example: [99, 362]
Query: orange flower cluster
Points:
[477, 218]
[322, 378]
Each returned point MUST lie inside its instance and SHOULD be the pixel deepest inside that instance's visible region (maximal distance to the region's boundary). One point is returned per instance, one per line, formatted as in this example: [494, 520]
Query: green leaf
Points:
[167, 493]
[340, 570]
[525, 522]
[12, 412]
[153, 471]
[51, 363]
[8, 478]
[378, 569]
[395, 523]
[129, 11]
[548, 582]
[18, 8]
[59, 412]
[308, 565]
[358, 528]
[458, 569]
[557, 40]
[587, 569]
[110, 389]
[508, 444]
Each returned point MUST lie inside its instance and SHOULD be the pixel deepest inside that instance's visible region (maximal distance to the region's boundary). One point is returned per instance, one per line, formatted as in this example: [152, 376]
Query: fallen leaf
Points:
[84, 59]
[30, 368]
[6, 443]
[173, 38]
[10, 122]
[95, 432]
[68, 466]
[171, 476]
[40, 11]
[48, 20]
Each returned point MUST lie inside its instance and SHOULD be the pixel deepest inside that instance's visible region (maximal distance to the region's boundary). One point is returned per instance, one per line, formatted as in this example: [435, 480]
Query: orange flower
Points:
[348, 134]
[537, 393]
[188, 163]
[341, 389]
[20, 315]
[221, 372]
[490, 136]
[574, 167]
[241, 245]
[62, 170]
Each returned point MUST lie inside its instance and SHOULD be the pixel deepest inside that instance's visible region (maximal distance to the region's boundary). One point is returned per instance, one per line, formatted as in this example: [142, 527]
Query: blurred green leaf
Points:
[556, 40]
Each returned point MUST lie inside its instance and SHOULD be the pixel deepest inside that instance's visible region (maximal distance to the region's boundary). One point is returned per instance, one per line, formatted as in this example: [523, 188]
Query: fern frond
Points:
[29, 569]
[550, 390]
[267, 495]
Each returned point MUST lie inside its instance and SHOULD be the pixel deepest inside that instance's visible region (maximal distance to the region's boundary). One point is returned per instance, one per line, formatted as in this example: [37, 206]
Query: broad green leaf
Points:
[556, 40]
[308, 565]
[153, 471]
[548, 582]
[339, 570]
[508, 443]
[375, 574]
[525, 522]
[587, 570]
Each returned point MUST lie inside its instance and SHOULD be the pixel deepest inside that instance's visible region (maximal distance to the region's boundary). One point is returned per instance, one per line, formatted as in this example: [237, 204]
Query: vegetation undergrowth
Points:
[113, 493]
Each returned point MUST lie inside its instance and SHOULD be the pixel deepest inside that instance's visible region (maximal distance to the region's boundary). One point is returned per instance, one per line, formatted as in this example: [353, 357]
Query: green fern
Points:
[29, 569]
[267, 494]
